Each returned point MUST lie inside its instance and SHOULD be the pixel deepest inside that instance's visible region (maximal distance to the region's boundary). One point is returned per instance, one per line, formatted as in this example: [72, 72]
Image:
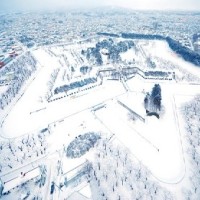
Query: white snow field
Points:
[157, 143]
[30, 114]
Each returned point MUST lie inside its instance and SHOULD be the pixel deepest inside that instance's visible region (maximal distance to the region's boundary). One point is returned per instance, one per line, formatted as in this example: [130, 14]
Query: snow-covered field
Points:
[149, 141]
[157, 143]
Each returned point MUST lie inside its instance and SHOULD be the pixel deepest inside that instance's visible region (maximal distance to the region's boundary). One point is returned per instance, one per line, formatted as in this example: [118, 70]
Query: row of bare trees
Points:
[20, 151]
[191, 113]
[115, 175]
[21, 70]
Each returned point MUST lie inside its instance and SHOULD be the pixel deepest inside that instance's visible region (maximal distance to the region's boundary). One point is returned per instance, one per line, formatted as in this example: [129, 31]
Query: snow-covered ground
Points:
[3, 88]
[161, 50]
[157, 143]
[149, 141]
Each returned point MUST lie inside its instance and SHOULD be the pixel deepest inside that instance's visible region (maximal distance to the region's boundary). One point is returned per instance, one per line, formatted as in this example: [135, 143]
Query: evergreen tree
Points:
[156, 96]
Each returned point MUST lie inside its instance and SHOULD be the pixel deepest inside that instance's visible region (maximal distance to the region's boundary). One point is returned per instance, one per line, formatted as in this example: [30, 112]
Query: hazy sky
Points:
[134, 4]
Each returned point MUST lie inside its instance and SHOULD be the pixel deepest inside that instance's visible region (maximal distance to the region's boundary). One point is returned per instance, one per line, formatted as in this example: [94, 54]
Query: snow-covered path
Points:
[31, 98]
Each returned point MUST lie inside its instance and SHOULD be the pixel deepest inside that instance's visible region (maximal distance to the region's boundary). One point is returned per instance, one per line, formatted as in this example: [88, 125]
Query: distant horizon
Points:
[64, 5]
[100, 8]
